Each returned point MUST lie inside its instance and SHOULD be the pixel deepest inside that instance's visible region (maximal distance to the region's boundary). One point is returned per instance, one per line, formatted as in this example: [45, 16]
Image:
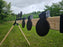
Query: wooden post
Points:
[24, 35]
[6, 35]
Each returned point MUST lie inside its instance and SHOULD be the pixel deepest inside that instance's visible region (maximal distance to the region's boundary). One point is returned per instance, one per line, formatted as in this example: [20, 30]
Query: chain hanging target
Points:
[23, 23]
[29, 23]
[42, 26]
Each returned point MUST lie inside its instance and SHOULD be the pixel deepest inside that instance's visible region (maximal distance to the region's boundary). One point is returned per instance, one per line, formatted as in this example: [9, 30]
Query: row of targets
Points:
[42, 26]
[29, 22]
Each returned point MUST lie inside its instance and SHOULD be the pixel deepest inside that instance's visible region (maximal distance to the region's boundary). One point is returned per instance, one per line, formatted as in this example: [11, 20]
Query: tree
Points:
[61, 4]
[55, 8]
[4, 10]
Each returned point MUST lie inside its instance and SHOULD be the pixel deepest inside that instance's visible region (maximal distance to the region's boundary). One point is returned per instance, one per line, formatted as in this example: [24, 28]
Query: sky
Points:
[28, 6]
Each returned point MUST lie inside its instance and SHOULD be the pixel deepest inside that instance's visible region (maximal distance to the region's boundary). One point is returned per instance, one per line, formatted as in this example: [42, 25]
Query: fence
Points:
[53, 21]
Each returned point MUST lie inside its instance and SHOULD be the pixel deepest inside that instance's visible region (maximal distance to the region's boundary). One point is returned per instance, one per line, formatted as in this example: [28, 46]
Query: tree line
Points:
[6, 12]
[55, 9]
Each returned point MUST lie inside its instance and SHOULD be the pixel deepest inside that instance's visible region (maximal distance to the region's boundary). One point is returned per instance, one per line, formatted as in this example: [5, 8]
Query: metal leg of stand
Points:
[6, 35]
[24, 35]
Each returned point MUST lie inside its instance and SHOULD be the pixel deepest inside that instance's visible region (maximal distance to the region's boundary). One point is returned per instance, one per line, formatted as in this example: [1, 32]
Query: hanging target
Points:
[29, 22]
[42, 27]
[29, 25]
[23, 24]
[61, 23]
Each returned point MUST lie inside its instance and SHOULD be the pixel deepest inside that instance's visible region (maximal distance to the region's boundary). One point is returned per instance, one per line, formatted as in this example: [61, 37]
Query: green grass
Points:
[15, 38]
[34, 15]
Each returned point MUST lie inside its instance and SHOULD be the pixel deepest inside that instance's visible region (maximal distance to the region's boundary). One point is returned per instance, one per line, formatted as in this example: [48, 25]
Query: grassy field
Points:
[15, 38]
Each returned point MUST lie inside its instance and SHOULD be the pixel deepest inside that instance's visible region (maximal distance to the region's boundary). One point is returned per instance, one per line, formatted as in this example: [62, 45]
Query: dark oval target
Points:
[42, 27]
[29, 24]
[23, 24]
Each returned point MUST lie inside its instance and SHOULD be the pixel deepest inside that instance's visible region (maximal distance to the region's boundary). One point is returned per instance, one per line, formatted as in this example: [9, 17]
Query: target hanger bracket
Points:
[15, 23]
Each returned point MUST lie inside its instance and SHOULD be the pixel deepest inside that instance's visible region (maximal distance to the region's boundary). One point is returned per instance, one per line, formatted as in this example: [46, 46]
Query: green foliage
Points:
[4, 10]
[61, 4]
[16, 39]
[55, 8]
[35, 14]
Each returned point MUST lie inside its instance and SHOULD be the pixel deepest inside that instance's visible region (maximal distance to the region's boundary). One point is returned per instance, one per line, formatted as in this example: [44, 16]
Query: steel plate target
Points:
[29, 24]
[23, 23]
[42, 27]
[61, 23]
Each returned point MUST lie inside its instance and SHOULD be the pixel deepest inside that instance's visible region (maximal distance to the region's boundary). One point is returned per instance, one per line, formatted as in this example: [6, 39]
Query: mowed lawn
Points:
[15, 38]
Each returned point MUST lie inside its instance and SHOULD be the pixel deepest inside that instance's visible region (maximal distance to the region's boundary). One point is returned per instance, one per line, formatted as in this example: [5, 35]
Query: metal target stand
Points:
[10, 31]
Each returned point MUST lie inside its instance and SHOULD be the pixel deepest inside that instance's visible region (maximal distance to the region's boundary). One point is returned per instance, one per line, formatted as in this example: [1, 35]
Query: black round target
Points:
[61, 23]
[29, 24]
[42, 27]
[23, 24]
